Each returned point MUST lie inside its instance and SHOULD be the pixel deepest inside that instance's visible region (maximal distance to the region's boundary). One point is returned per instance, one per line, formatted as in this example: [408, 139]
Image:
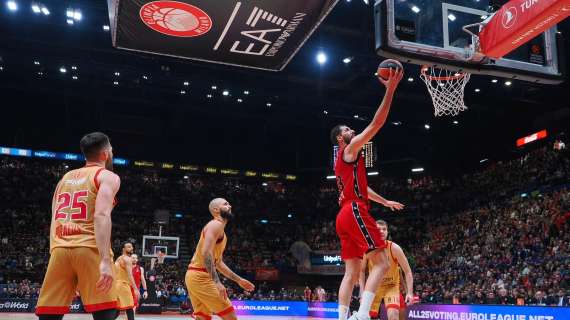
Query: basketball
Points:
[175, 19]
[386, 65]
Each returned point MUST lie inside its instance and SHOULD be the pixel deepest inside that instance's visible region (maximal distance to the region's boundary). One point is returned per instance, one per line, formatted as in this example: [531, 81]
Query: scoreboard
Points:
[368, 152]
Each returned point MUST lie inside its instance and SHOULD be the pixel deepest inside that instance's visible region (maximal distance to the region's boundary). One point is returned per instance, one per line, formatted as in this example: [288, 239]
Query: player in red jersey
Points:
[355, 227]
[138, 274]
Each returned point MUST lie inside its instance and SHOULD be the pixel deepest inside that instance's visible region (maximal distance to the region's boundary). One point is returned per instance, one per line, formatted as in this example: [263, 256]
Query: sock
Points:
[342, 312]
[365, 304]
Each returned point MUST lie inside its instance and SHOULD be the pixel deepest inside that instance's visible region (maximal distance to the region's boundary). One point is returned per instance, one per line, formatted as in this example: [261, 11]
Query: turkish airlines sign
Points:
[519, 21]
[533, 137]
[259, 34]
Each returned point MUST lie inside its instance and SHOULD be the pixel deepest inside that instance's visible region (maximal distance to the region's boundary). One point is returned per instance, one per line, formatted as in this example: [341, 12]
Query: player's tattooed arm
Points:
[227, 272]
[212, 232]
[211, 268]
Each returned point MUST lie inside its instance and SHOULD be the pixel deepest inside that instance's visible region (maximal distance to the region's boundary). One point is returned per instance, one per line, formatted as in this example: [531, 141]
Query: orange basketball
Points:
[386, 65]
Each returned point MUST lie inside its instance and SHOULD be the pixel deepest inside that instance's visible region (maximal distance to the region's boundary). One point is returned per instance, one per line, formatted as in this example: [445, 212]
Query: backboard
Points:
[430, 32]
[154, 244]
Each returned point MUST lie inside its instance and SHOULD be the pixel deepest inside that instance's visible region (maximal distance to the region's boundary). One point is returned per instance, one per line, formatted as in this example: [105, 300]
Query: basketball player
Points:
[389, 289]
[80, 236]
[355, 227]
[127, 290]
[138, 274]
[207, 293]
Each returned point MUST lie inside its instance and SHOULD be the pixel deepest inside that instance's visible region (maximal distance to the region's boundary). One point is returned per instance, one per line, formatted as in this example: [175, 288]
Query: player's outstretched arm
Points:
[228, 273]
[405, 265]
[109, 184]
[393, 205]
[143, 283]
[380, 116]
[212, 232]
[129, 266]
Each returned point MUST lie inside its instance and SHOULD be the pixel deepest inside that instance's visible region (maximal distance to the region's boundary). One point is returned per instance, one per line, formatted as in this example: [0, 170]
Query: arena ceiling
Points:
[167, 109]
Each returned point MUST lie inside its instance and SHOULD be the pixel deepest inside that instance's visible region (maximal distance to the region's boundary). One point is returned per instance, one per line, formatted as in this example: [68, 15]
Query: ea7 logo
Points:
[257, 13]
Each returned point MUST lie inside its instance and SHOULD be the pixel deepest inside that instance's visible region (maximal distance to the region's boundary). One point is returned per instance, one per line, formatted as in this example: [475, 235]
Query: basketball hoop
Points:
[447, 89]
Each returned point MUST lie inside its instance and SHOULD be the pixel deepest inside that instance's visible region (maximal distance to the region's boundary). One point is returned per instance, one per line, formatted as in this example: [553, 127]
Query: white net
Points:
[447, 89]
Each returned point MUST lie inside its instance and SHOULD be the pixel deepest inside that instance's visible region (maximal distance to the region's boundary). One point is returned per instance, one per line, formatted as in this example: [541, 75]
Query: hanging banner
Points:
[259, 34]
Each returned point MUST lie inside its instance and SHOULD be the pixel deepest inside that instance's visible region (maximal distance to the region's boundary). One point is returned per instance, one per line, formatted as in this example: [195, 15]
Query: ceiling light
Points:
[331, 177]
[347, 60]
[225, 93]
[186, 83]
[116, 83]
[45, 11]
[69, 13]
[209, 96]
[36, 8]
[40, 73]
[37, 63]
[214, 88]
[145, 77]
[451, 17]
[70, 22]
[417, 169]
[117, 73]
[397, 123]
[62, 70]
[12, 5]
[455, 122]
[477, 90]
[106, 28]
[483, 160]
[182, 92]
[268, 104]
[264, 184]
[246, 92]
[427, 126]
[73, 68]
[415, 9]
[77, 15]
[355, 116]
[325, 112]
[321, 58]
[494, 81]
[74, 77]
[239, 100]
[373, 173]
[508, 83]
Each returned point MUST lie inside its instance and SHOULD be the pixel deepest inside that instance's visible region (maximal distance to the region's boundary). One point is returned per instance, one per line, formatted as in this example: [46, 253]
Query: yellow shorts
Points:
[124, 295]
[70, 269]
[390, 295]
[204, 295]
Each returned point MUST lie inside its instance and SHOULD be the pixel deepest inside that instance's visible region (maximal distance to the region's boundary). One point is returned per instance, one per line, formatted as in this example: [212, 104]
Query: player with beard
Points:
[127, 291]
[80, 236]
[207, 293]
[355, 226]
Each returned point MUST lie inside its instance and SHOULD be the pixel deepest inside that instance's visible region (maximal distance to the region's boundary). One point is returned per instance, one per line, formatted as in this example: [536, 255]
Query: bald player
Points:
[127, 290]
[80, 236]
[207, 293]
[389, 289]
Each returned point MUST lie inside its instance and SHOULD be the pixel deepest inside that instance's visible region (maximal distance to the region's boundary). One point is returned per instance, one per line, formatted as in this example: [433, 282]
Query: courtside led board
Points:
[258, 34]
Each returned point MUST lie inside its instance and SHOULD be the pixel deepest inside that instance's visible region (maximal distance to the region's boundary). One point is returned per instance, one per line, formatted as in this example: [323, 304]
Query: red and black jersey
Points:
[137, 275]
[351, 179]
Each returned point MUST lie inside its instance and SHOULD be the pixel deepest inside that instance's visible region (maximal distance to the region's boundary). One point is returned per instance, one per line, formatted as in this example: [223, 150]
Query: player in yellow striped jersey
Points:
[389, 289]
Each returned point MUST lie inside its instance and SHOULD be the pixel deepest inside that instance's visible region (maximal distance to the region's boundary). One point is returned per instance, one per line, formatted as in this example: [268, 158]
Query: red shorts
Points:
[136, 302]
[357, 231]
[402, 302]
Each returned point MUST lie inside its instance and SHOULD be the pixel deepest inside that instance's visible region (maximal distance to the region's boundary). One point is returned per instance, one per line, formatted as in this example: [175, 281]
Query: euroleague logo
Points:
[175, 18]
[509, 17]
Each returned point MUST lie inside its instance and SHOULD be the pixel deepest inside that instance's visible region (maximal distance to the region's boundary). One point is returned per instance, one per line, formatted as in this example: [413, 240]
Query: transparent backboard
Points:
[430, 32]
[154, 244]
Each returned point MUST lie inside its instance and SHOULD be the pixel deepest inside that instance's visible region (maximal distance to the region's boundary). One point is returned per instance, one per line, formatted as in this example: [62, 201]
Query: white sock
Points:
[342, 312]
[365, 304]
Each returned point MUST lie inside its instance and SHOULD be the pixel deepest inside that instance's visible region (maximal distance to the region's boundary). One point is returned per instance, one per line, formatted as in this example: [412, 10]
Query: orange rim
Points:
[458, 75]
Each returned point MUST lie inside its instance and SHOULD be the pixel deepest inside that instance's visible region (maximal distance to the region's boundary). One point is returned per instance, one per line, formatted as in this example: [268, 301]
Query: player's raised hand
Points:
[222, 290]
[105, 282]
[393, 205]
[393, 80]
[246, 285]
